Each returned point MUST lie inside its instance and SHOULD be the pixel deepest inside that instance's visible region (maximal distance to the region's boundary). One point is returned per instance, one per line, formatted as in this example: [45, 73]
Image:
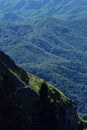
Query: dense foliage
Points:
[36, 105]
[24, 10]
[53, 49]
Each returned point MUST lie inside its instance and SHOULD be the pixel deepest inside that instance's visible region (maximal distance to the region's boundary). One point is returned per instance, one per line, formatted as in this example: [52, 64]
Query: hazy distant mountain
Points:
[31, 9]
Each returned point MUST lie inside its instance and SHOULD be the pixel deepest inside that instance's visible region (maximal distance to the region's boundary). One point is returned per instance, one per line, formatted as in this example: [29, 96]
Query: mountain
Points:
[48, 38]
[29, 106]
[24, 10]
[16, 74]
[54, 50]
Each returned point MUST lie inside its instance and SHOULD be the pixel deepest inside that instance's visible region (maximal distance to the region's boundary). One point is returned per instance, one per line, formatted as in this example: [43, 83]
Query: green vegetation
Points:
[52, 49]
[35, 105]
[22, 10]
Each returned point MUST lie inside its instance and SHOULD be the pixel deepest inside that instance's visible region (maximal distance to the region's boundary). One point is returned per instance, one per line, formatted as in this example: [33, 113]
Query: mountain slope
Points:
[18, 74]
[54, 50]
[25, 9]
[32, 101]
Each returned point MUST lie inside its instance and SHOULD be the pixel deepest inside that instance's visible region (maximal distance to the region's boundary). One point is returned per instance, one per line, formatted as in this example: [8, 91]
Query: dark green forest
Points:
[34, 104]
[47, 38]
[54, 50]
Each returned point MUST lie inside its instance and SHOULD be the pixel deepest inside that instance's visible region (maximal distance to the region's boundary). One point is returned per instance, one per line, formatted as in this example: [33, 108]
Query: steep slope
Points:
[32, 101]
[54, 50]
[30, 9]
[16, 74]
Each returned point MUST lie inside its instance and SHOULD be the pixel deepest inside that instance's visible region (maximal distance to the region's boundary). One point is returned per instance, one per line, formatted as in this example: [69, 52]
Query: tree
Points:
[47, 110]
[43, 92]
[44, 106]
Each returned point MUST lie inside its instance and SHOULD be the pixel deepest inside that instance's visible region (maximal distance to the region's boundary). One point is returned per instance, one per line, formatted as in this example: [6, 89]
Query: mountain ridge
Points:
[31, 102]
[53, 50]
[57, 32]
[23, 10]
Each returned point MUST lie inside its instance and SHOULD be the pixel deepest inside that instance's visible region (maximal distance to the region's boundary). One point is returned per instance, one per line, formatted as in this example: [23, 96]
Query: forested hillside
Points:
[24, 10]
[54, 50]
[28, 102]
[49, 38]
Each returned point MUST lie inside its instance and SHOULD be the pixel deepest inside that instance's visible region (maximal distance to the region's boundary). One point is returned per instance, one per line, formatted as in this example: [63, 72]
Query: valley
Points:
[25, 10]
[48, 38]
[53, 50]
[28, 102]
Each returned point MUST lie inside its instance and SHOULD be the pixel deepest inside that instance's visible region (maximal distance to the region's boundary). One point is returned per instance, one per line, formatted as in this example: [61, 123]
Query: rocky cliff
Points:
[44, 106]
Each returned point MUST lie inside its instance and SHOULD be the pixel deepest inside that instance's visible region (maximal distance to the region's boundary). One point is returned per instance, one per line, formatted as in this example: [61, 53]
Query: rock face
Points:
[8, 68]
[71, 119]
[66, 111]
[67, 114]
[49, 109]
